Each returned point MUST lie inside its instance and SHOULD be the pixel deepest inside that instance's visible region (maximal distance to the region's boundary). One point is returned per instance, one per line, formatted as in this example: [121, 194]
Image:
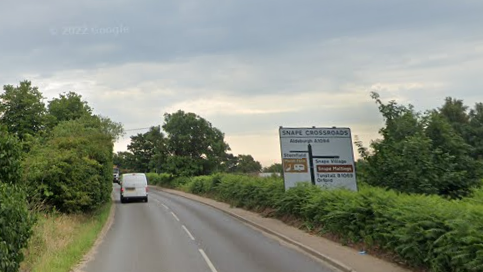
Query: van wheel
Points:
[146, 199]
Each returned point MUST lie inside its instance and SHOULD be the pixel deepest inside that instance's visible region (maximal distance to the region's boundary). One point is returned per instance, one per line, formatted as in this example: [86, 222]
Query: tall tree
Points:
[421, 153]
[125, 161]
[475, 134]
[247, 164]
[148, 150]
[10, 154]
[69, 106]
[194, 145]
[22, 110]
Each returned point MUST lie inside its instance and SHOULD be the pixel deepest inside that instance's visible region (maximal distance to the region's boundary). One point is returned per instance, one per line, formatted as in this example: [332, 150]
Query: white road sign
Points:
[322, 156]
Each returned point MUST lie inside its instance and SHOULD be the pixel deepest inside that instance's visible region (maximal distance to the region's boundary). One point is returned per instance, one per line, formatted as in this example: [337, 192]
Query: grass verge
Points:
[59, 241]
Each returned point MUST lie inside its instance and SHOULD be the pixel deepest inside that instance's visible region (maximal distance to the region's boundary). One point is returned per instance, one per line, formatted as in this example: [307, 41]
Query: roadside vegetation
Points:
[55, 178]
[420, 198]
[422, 231]
[60, 240]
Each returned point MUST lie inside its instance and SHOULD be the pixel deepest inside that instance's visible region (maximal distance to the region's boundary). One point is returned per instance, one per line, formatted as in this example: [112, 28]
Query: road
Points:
[174, 234]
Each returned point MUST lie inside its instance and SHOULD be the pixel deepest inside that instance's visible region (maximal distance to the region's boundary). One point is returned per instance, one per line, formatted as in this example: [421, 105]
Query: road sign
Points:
[322, 156]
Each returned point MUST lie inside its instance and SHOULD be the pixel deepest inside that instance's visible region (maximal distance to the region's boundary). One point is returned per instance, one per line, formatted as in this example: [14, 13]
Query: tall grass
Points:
[59, 241]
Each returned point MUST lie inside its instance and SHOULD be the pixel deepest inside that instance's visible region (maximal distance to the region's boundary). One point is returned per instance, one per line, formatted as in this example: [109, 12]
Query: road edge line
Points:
[89, 256]
[331, 261]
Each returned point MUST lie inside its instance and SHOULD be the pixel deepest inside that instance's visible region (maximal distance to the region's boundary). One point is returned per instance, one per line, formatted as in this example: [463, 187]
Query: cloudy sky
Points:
[246, 66]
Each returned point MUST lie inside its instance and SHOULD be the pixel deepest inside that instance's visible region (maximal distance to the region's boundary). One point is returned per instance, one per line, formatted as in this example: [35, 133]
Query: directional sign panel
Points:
[322, 156]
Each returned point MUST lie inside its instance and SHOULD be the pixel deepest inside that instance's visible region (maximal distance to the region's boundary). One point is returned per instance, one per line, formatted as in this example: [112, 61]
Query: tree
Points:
[475, 131]
[468, 124]
[148, 150]
[247, 164]
[421, 153]
[456, 113]
[22, 110]
[193, 144]
[124, 160]
[10, 154]
[68, 106]
[274, 168]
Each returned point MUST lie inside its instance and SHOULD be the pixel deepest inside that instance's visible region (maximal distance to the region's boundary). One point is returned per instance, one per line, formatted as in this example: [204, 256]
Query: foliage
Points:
[247, 164]
[22, 110]
[244, 164]
[67, 107]
[72, 171]
[125, 161]
[15, 226]
[427, 232]
[421, 153]
[10, 157]
[194, 146]
[188, 146]
[159, 179]
[148, 150]
[274, 168]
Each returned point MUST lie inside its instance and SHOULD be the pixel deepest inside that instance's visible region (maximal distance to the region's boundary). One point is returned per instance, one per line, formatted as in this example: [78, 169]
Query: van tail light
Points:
[147, 189]
[122, 190]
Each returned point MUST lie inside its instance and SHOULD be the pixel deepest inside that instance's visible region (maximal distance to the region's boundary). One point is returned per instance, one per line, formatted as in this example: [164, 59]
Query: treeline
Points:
[185, 145]
[53, 157]
[437, 152]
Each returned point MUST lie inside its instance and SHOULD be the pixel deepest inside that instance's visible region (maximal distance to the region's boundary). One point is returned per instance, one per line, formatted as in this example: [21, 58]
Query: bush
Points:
[424, 231]
[10, 154]
[15, 226]
[162, 179]
[72, 171]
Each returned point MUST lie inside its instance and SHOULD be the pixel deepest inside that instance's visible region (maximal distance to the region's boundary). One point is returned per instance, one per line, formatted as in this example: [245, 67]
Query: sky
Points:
[247, 66]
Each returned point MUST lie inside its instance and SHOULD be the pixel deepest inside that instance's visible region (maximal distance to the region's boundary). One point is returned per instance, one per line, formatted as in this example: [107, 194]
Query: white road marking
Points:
[175, 216]
[189, 233]
[207, 260]
[166, 207]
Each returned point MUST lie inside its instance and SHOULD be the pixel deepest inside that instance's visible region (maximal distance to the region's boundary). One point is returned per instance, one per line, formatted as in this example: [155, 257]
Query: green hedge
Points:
[159, 179]
[10, 157]
[15, 227]
[15, 220]
[424, 231]
[72, 170]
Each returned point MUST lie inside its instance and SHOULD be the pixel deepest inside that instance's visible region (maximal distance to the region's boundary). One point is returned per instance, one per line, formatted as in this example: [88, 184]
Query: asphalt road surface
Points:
[174, 234]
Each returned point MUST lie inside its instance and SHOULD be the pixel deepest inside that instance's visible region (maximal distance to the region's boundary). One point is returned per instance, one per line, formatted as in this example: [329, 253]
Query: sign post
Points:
[322, 156]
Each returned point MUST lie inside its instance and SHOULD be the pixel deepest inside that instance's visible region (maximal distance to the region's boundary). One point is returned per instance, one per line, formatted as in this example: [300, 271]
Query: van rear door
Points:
[134, 185]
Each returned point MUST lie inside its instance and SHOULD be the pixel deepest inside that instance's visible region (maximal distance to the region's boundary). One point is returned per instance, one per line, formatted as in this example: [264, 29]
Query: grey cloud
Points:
[169, 52]
[165, 30]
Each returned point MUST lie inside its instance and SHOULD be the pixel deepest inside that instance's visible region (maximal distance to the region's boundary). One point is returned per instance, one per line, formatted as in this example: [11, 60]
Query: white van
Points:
[134, 186]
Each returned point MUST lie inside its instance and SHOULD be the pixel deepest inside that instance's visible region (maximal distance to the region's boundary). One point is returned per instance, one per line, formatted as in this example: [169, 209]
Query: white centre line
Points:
[189, 233]
[207, 260]
[166, 207]
[175, 216]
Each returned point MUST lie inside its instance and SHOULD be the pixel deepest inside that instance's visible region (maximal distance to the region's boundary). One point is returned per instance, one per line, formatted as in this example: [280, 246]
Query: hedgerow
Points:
[15, 226]
[159, 179]
[72, 170]
[424, 231]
